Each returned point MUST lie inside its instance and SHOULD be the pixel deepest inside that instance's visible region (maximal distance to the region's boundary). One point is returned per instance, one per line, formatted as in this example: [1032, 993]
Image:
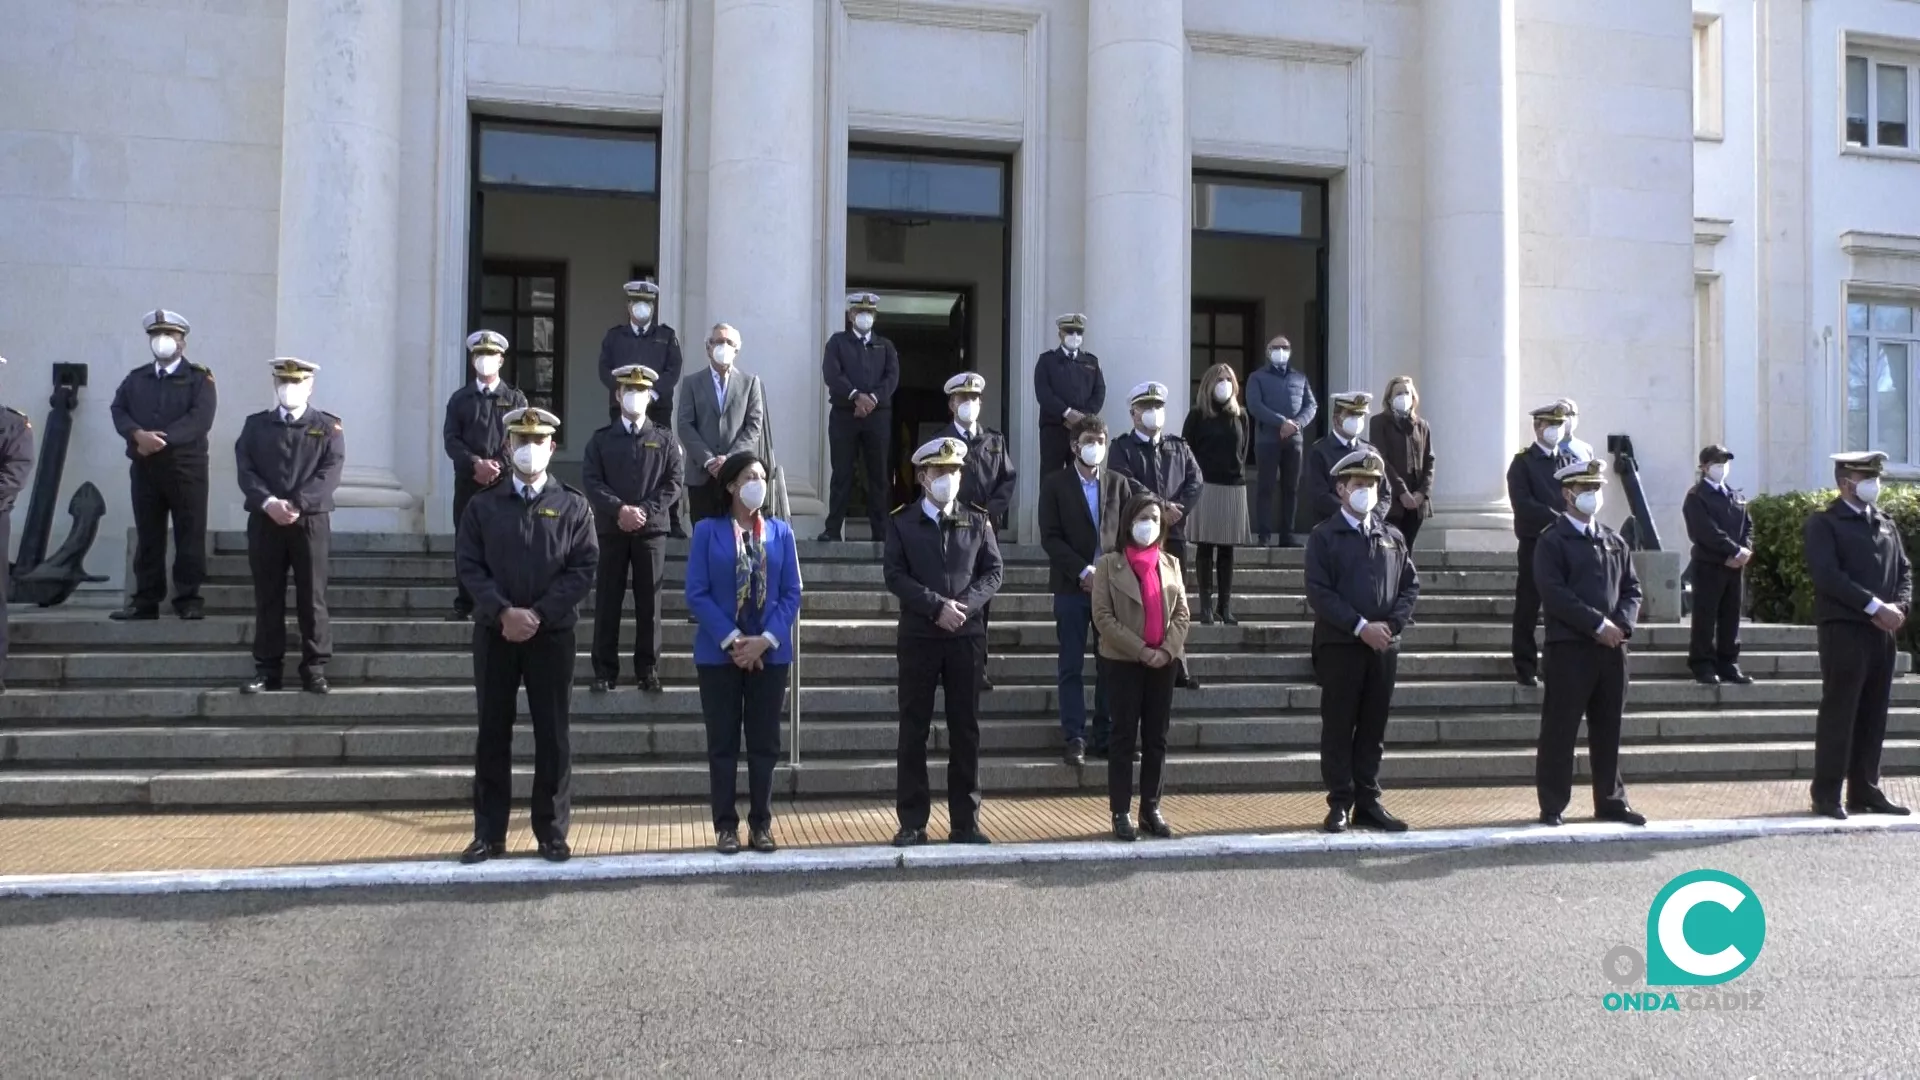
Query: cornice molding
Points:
[993, 19]
[1265, 48]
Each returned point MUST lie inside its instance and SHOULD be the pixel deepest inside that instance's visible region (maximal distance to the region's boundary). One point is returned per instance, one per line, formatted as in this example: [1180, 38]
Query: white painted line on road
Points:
[528, 870]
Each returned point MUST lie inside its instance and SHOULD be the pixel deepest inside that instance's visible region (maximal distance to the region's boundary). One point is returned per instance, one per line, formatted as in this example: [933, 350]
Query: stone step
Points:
[208, 668]
[359, 786]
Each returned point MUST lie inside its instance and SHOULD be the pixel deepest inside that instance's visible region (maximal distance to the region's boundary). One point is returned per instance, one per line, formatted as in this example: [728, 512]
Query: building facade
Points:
[1509, 200]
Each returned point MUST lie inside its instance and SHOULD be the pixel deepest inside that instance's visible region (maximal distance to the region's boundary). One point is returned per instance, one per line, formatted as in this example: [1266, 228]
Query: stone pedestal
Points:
[339, 228]
[1659, 573]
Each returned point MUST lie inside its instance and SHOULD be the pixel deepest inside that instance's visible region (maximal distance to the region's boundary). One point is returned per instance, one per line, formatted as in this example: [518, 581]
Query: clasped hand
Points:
[1155, 658]
[953, 616]
[632, 518]
[1889, 618]
[1611, 636]
[517, 624]
[1377, 636]
[748, 653]
[280, 511]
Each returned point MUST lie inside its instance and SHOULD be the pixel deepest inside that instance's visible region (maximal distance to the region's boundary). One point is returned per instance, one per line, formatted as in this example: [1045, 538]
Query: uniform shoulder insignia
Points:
[901, 507]
[14, 411]
[201, 368]
[564, 486]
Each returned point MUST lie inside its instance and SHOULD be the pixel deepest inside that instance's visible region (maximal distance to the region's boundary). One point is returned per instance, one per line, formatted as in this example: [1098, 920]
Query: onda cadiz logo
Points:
[1704, 928]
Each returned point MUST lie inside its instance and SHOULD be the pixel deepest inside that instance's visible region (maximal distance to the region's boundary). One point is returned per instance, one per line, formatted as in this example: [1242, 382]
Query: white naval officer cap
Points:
[486, 341]
[641, 290]
[1366, 464]
[531, 420]
[967, 382]
[292, 368]
[162, 321]
[1589, 473]
[1864, 462]
[863, 301]
[941, 451]
[1148, 393]
[1352, 403]
[639, 375]
[1071, 321]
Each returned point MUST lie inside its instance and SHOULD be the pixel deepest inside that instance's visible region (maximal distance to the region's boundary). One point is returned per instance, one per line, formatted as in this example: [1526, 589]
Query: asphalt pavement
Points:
[1448, 963]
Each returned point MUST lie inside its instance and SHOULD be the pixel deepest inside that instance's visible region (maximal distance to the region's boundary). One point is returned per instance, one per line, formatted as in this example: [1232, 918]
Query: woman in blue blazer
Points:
[743, 586]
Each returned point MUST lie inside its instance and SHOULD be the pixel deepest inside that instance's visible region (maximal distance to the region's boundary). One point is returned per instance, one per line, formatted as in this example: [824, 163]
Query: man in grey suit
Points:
[720, 412]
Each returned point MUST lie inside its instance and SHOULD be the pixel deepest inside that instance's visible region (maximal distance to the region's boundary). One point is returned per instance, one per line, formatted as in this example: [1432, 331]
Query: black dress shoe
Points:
[1337, 820]
[192, 613]
[601, 686]
[968, 836]
[986, 684]
[761, 840]
[826, 538]
[316, 685]
[1551, 819]
[1206, 610]
[727, 841]
[555, 850]
[456, 615]
[1123, 827]
[1187, 682]
[909, 837]
[677, 532]
[1624, 814]
[1830, 809]
[1227, 617]
[1874, 802]
[261, 684]
[1375, 816]
[1153, 824]
[1732, 674]
[481, 850]
[1705, 676]
[1076, 752]
[650, 682]
[1526, 678]
[134, 614]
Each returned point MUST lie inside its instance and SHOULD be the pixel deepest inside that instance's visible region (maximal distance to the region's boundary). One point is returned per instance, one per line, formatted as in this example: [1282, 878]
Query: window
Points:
[606, 161]
[1708, 81]
[527, 302]
[1256, 207]
[926, 186]
[1880, 100]
[1882, 348]
[1223, 333]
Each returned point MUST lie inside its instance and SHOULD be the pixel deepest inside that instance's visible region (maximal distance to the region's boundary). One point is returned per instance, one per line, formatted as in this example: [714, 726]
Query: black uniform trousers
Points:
[1409, 526]
[1856, 681]
[644, 558]
[544, 663]
[1056, 449]
[1717, 592]
[733, 700]
[951, 664]
[273, 550]
[1278, 464]
[1526, 613]
[1584, 678]
[164, 491]
[1356, 695]
[848, 435]
[1141, 699]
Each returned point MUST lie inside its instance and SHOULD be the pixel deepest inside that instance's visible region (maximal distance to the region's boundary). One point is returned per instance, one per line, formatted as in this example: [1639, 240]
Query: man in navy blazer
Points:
[1283, 407]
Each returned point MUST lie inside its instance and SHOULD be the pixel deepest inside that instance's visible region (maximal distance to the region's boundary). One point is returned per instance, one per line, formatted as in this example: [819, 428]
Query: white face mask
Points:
[1402, 403]
[486, 364]
[1361, 499]
[1588, 502]
[1153, 419]
[863, 322]
[293, 396]
[1868, 491]
[164, 347]
[753, 494]
[1717, 473]
[1350, 426]
[1072, 341]
[1279, 356]
[1552, 435]
[723, 355]
[1093, 454]
[967, 411]
[1223, 391]
[943, 488]
[530, 459]
[642, 311]
[635, 402]
[1145, 530]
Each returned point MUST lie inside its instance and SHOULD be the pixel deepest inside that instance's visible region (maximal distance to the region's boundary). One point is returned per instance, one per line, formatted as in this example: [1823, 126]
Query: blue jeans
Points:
[1073, 624]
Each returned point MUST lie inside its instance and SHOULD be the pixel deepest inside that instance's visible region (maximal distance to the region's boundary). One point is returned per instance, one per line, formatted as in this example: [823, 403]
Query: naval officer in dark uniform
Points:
[1862, 595]
[632, 472]
[861, 370]
[1165, 466]
[1534, 495]
[16, 465]
[1068, 384]
[1317, 481]
[1362, 586]
[644, 340]
[1721, 532]
[943, 562]
[164, 410]
[986, 478]
[1592, 600]
[476, 436]
[289, 460]
[526, 551]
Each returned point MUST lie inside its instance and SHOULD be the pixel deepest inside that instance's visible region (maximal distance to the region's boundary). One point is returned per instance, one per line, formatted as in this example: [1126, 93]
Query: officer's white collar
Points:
[1583, 528]
[937, 512]
[1358, 525]
[291, 415]
[633, 425]
[971, 431]
[1144, 437]
[520, 486]
[639, 328]
[1346, 441]
[485, 387]
[167, 369]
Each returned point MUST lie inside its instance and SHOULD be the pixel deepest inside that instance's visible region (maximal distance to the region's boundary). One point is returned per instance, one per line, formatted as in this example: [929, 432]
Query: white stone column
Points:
[1138, 180]
[762, 207]
[339, 229]
[1470, 262]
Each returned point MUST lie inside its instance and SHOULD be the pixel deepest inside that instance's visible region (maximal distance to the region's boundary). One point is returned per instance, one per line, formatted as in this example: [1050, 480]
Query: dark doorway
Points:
[526, 302]
[933, 331]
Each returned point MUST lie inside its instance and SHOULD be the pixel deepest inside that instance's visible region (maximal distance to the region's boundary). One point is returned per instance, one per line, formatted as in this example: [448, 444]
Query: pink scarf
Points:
[1146, 566]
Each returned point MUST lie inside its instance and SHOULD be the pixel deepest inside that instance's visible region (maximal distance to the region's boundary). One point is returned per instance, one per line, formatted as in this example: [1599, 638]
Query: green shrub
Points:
[1778, 588]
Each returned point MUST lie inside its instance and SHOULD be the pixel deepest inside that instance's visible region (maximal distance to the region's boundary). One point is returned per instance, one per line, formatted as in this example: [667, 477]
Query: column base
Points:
[371, 499]
[1481, 528]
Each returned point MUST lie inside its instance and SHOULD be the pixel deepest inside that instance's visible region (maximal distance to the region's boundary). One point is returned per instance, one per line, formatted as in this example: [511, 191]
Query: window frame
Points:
[1910, 339]
[517, 269]
[1709, 77]
[1875, 56]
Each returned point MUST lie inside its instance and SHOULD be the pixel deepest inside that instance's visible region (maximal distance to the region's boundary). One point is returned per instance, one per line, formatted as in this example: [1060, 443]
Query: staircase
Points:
[104, 714]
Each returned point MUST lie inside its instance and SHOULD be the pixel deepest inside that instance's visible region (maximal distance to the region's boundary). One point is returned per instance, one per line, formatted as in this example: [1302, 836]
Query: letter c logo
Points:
[1673, 928]
[1728, 927]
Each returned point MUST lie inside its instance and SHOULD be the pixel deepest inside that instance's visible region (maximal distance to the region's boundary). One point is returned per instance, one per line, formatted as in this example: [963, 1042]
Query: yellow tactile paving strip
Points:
[116, 842]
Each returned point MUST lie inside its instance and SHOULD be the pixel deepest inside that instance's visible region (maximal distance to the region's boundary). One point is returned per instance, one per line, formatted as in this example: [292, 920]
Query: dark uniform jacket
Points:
[16, 455]
[1406, 445]
[539, 554]
[1275, 397]
[1532, 491]
[1317, 485]
[657, 347]
[1072, 539]
[1165, 467]
[1354, 575]
[851, 366]
[1717, 523]
[624, 469]
[1854, 559]
[299, 461]
[1062, 382]
[986, 478]
[179, 406]
[928, 562]
[474, 429]
[1584, 579]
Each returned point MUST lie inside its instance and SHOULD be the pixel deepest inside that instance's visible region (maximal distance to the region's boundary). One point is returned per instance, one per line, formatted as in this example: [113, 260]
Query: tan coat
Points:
[1120, 613]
